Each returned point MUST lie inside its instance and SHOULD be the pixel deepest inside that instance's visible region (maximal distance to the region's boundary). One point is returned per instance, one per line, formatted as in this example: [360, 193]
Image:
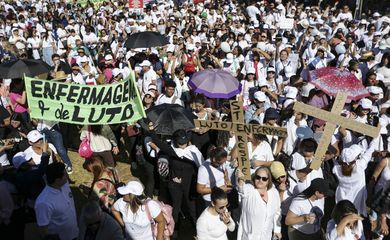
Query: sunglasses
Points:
[264, 179]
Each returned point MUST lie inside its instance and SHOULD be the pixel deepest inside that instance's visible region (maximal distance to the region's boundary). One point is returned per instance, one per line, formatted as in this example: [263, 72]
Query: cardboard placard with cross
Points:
[241, 130]
[333, 119]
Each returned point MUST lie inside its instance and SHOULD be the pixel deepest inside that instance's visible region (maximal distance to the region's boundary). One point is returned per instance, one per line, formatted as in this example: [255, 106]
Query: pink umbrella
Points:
[332, 80]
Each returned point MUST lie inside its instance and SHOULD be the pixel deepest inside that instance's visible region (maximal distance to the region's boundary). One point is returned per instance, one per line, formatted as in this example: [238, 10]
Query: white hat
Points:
[146, 63]
[260, 96]
[377, 34]
[350, 154]
[20, 158]
[83, 59]
[376, 14]
[190, 47]
[108, 57]
[306, 89]
[34, 135]
[229, 58]
[270, 69]
[263, 83]
[171, 48]
[251, 70]
[133, 187]
[363, 21]
[374, 90]
[365, 103]
[150, 93]
[304, 23]
[291, 92]
[116, 72]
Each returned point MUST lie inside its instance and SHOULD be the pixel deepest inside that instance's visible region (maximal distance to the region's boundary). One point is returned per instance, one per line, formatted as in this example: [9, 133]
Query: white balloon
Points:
[340, 49]
[225, 47]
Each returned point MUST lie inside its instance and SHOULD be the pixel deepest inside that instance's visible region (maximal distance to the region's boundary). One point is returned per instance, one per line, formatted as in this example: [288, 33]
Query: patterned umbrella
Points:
[215, 83]
[332, 80]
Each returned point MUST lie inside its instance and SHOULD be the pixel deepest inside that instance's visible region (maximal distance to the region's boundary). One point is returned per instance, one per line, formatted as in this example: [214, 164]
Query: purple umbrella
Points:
[215, 83]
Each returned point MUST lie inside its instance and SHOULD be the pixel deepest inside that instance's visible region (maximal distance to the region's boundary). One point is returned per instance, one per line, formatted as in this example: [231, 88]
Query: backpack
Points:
[167, 213]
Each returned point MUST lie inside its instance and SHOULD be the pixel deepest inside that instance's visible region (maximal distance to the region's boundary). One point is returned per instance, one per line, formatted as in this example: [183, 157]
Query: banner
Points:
[136, 4]
[84, 104]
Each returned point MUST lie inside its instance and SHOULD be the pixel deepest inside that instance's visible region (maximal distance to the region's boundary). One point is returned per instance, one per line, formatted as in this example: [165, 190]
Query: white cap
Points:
[374, 90]
[146, 63]
[229, 58]
[20, 158]
[190, 47]
[350, 154]
[365, 103]
[108, 57]
[150, 93]
[260, 96]
[251, 70]
[34, 135]
[270, 69]
[304, 132]
[376, 14]
[133, 187]
[116, 72]
[171, 48]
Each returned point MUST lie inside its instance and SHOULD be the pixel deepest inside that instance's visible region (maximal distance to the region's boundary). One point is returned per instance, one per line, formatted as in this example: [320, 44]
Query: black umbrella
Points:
[25, 67]
[168, 118]
[145, 40]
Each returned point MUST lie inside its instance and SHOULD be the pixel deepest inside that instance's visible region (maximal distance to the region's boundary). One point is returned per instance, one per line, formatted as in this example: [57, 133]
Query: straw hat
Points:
[60, 75]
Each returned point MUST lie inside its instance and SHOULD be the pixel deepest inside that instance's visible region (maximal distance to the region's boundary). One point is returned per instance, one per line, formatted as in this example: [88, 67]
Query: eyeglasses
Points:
[263, 36]
[264, 179]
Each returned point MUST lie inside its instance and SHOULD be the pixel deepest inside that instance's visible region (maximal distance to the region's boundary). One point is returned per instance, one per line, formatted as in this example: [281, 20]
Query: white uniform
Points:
[353, 188]
[258, 218]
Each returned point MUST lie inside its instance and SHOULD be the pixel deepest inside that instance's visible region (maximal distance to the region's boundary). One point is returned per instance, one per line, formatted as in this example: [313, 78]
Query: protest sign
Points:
[241, 130]
[84, 104]
[286, 23]
[332, 119]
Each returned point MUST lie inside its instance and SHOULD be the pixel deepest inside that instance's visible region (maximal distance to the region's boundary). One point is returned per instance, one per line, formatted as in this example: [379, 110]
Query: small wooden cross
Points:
[332, 119]
[241, 131]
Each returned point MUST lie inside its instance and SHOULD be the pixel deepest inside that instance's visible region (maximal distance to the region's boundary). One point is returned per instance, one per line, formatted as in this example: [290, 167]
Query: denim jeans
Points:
[55, 137]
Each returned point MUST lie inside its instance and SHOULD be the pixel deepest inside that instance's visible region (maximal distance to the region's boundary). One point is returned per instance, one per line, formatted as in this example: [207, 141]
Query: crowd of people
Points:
[270, 47]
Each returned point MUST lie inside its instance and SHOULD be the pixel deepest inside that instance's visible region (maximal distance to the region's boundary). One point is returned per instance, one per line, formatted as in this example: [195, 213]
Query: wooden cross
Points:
[332, 119]
[241, 131]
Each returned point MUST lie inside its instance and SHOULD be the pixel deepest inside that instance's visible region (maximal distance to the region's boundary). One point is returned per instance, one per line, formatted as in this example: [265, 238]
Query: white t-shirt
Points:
[204, 179]
[37, 157]
[164, 99]
[301, 206]
[55, 208]
[262, 152]
[137, 224]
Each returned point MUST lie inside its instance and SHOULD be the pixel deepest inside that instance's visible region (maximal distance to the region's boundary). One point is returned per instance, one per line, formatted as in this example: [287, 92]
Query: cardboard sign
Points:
[286, 23]
[136, 4]
[241, 130]
[332, 119]
[84, 104]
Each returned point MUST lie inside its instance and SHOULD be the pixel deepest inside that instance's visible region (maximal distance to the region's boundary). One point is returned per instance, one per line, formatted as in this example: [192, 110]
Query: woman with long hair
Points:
[102, 141]
[132, 210]
[260, 206]
[305, 212]
[104, 182]
[384, 68]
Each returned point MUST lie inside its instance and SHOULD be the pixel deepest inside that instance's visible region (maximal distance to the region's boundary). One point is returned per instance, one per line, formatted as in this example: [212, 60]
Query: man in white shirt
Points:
[149, 76]
[54, 207]
[168, 96]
